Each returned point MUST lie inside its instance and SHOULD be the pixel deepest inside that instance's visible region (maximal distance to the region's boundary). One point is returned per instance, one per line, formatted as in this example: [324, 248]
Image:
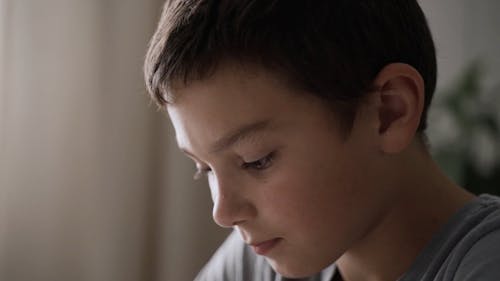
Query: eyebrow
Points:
[236, 135]
[239, 134]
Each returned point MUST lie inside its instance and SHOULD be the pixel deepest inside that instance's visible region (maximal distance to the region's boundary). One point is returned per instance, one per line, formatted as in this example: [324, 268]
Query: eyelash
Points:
[258, 165]
[201, 173]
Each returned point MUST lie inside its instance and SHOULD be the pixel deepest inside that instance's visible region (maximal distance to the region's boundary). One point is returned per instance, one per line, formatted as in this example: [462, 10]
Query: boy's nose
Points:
[230, 205]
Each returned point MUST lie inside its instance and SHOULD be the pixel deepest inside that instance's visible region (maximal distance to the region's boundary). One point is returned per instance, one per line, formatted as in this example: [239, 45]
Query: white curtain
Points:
[91, 185]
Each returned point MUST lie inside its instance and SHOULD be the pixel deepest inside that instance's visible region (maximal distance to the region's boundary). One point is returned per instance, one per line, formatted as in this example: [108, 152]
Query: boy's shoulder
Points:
[466, 248]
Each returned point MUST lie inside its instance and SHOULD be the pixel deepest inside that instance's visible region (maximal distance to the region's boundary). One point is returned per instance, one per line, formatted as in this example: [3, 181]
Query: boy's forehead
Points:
[238, 98]
[236, 74]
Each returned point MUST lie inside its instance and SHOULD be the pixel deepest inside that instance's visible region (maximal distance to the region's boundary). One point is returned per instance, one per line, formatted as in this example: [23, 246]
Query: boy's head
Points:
[251, 87]
[332, 49]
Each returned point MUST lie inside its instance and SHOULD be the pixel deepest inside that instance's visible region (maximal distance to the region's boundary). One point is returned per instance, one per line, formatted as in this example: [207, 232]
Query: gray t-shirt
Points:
[466, 248]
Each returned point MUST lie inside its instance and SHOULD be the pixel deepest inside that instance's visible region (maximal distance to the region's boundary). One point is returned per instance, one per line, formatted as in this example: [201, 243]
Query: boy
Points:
[308, 119]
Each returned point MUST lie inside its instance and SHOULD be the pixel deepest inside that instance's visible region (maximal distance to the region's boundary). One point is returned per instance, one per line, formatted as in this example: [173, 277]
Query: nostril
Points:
[238, 222]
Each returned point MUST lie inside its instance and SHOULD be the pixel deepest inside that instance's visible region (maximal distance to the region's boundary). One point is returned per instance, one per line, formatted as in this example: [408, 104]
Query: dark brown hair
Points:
[330, 48]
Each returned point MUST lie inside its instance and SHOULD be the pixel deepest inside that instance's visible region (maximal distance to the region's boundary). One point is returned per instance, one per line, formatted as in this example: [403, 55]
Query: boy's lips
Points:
[261, 248]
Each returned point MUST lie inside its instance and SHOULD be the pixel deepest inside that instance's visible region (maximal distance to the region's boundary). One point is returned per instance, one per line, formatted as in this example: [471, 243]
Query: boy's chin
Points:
[294, 271]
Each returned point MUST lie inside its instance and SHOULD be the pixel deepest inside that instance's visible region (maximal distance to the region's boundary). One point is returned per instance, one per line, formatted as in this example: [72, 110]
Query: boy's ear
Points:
[400, 101]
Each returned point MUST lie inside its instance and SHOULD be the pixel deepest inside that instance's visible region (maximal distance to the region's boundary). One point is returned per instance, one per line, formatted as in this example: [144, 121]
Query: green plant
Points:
[464, 132]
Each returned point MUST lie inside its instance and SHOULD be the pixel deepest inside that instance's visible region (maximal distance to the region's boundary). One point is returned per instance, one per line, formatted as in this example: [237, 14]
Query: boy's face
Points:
[289, 177]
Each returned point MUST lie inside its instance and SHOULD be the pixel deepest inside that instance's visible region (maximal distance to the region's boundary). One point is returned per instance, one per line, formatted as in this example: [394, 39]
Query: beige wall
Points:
[91, 187]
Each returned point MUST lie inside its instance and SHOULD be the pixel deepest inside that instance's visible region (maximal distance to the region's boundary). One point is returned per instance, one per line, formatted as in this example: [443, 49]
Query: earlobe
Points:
[400, 104]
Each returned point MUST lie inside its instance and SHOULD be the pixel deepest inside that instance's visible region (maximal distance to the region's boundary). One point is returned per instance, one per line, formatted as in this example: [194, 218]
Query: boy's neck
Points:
[427, 200]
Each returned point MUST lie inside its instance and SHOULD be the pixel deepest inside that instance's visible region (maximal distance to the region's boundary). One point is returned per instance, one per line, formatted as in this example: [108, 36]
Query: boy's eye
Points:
[261, 164]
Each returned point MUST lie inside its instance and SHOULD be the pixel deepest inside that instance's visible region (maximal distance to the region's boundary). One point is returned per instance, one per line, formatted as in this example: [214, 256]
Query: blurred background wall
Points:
[92, 187]
[464, 121]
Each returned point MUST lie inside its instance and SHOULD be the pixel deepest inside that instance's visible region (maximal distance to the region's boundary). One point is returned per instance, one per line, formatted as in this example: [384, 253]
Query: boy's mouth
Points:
[261, 248]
